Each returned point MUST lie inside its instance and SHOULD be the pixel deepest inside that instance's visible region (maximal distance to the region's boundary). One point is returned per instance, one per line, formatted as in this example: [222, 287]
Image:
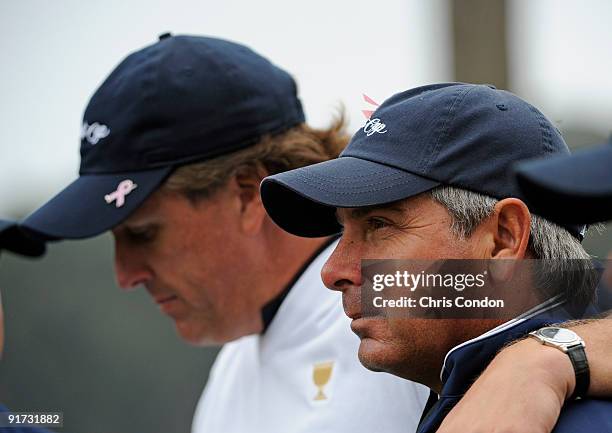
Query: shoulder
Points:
[235, 356]
[588, 415]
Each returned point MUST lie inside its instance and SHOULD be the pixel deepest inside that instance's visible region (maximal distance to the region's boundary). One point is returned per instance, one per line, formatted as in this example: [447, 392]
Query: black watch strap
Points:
[581, 368]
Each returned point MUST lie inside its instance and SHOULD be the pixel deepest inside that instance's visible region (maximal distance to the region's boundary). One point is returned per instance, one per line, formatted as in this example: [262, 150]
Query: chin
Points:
[381, 356]
[195, 336]
[374, 355]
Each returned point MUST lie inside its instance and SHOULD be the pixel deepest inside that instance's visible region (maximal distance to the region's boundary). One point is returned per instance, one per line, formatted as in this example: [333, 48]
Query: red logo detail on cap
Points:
[368, 113]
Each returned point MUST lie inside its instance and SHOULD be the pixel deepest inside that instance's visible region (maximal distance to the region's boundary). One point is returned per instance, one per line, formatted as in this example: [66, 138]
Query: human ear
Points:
[252, 211]
[510, 227]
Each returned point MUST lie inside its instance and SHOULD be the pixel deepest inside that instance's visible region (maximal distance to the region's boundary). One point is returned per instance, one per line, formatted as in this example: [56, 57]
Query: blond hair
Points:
[297, 147]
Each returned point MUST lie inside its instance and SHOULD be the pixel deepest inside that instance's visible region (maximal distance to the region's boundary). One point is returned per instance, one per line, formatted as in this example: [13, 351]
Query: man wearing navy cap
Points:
[175, 143]
[575, 188]
[429, 177]
[13, 239]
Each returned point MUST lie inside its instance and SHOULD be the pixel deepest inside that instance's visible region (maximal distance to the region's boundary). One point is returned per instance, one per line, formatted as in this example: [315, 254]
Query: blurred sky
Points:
[561, 59]
[55, 54]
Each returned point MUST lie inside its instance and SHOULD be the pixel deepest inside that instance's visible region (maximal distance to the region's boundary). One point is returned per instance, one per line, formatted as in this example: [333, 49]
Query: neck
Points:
[444, 335]
[290, 257]
[284, 256]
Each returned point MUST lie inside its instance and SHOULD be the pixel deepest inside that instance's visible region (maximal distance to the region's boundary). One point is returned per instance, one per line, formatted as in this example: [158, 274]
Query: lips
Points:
[160, 300]
[359, 327]
[170, 305]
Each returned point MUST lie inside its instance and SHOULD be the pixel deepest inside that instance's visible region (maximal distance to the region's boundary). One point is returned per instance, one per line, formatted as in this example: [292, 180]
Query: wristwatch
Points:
[568, 342]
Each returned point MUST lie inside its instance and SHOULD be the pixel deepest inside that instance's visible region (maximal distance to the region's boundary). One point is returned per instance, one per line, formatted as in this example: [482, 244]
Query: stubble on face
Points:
[417, 228]
[193, 264]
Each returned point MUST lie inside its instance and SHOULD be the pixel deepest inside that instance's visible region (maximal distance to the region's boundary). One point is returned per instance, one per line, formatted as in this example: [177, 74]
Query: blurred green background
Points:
[77, 344]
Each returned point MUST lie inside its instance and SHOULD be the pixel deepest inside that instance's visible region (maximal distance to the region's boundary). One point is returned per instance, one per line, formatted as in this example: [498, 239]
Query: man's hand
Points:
[522, 391]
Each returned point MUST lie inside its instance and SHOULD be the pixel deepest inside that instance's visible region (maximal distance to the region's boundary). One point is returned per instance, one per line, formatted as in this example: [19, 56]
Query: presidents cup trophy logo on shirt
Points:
[321, 375]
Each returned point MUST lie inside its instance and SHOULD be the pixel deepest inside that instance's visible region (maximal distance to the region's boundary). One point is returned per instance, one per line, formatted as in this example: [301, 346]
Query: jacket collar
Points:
[465, 362]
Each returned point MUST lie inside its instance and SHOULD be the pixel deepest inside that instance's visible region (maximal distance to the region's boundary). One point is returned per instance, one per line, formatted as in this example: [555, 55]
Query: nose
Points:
[130, 268]
[343, 268]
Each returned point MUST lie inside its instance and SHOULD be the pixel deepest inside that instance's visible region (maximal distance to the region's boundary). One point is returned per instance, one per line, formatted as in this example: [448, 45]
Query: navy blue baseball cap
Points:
[14, 239]
[181, 100]
[570, 189]
[463, 135]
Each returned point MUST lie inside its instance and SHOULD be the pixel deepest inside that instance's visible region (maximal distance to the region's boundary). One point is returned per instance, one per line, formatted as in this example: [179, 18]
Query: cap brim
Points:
[14, 239]
[304, 201]
[570, 189]
[81, 209]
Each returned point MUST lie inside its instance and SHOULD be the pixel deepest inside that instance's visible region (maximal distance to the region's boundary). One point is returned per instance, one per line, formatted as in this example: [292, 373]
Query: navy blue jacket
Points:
[464, 363]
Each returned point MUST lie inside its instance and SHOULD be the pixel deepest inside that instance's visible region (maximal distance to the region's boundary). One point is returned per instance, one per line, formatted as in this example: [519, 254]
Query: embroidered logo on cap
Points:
[118, 196]
[372, 125]
[94, 132]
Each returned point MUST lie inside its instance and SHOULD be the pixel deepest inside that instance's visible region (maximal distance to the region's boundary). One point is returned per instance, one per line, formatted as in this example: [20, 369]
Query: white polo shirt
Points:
[303, 375]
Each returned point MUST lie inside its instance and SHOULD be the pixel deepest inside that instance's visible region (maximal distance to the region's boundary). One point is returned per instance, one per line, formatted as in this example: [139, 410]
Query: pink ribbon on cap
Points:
[118, 196]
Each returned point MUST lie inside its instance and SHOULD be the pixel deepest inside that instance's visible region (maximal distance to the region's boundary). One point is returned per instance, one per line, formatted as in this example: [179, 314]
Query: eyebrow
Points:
[360, 212]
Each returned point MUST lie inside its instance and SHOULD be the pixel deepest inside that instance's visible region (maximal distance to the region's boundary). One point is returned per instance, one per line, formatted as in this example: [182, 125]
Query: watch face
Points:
[558, 335]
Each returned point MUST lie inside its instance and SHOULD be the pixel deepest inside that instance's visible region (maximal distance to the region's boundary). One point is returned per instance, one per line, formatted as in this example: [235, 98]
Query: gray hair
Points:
[548, 241]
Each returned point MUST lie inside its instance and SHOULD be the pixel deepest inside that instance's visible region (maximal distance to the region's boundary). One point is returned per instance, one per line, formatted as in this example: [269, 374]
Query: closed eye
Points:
[141, 235]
